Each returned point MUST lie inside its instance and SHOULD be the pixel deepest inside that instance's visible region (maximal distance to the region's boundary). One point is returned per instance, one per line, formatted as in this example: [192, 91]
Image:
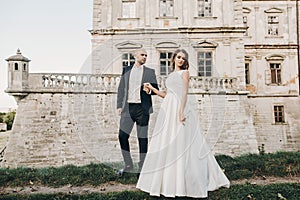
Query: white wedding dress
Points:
[179, 161]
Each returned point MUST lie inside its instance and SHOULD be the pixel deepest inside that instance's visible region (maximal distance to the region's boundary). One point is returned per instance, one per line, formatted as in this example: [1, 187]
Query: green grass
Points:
[240, 192]
[92, 174]
[278, 164]
[281, 164]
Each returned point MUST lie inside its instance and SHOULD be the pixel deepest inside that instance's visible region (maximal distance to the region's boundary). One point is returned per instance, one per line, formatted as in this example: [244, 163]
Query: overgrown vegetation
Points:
[7, 118]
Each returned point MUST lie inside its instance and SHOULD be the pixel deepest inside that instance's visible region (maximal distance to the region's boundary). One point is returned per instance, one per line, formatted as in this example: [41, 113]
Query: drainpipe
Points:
[298, 50]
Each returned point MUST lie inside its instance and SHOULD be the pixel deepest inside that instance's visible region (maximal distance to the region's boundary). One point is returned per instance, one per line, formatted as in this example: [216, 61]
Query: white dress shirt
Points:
[135, 83]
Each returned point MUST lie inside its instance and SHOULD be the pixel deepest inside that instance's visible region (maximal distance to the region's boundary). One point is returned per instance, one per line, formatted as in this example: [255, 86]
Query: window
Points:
[16, 66]
[24, 67]
[274, 68]
[275, 73]
[245, 23]
[165, 58]
[128, 9]
[166, 8]
[127, 59]
[204, 8]
[204, 63]
[273, 25]
[247, 72]
[246, 15]
[279, 114]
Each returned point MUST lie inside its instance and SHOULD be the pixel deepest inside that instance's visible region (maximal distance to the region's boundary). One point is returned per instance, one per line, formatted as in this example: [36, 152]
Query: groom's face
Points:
[141, 57]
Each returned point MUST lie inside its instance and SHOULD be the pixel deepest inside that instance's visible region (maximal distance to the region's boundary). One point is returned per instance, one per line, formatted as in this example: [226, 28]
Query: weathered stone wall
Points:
[58, 129]
[280, 136]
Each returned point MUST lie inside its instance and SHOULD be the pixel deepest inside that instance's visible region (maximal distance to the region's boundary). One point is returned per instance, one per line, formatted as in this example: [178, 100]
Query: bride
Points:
[179, 161]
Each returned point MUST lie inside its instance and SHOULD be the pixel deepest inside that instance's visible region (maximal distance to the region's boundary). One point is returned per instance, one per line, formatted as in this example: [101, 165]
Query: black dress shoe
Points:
[126, 169]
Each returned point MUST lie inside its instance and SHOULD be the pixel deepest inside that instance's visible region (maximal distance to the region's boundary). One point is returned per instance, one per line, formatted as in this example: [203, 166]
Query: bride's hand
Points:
[148, 86]
[182, 118]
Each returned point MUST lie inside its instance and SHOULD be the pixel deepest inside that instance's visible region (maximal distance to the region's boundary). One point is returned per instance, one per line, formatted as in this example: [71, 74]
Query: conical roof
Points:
[18, 57]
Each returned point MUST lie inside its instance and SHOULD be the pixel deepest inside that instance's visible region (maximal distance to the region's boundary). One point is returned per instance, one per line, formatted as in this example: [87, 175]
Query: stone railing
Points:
[74, 82]
[207, 84]
[108, 83]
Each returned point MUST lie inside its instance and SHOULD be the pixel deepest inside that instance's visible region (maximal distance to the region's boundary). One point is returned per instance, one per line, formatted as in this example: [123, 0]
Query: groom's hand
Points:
[119, 110]
[146, 88]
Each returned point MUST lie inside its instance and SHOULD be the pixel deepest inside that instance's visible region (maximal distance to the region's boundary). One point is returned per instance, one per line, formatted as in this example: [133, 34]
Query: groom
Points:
[134, 105]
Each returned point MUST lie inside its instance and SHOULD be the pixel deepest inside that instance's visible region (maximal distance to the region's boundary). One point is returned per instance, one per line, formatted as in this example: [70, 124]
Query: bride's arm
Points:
[156, 91]
[186, 79]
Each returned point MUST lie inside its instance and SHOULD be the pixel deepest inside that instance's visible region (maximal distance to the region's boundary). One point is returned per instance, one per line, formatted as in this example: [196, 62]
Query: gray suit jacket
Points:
[146, 100]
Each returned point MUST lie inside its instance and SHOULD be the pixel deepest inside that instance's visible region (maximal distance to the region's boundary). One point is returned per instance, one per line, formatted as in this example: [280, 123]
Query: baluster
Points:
[226, 83]
[113, 82]
[44, 81]
[214, 83]
[100, 82]
[218, 86]
[78, 81]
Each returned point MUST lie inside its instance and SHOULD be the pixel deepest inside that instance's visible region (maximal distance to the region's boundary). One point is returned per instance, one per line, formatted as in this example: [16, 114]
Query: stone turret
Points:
[18, 69]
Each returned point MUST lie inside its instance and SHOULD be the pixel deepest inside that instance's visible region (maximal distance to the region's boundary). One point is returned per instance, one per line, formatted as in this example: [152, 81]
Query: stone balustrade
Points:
[200, 84]
[108, 83]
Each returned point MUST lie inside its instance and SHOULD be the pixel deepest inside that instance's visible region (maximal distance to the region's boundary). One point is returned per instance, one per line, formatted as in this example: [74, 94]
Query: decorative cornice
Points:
[246, 10]
[190, 30]
[205, 44]
[129, 45]
[275, 57]
[274, 10]
[271, 46]
[167, 44]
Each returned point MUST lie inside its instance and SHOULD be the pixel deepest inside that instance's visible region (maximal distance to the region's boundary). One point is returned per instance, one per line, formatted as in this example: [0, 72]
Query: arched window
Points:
[24, 67]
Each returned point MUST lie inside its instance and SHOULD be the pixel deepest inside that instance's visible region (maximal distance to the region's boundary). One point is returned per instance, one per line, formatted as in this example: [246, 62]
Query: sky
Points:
[53, 34]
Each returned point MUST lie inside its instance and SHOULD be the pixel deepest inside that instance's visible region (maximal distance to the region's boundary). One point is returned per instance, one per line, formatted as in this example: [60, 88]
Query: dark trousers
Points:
[135, 114]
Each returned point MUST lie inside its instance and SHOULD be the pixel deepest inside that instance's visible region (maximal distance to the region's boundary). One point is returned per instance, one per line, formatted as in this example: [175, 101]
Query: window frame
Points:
[271, 25]
[206, 46]
[277, 13]
[16, 66]
[204, 62]
[277, 119]
[168, 68]
[161, 14]
[274, 60]
[247, 72]
[246, 16]
[198, 9]
[277, 73]
[133, 2]
[130, 58]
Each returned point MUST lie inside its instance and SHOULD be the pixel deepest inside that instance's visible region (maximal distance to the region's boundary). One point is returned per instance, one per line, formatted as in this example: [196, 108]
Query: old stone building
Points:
[244, 58]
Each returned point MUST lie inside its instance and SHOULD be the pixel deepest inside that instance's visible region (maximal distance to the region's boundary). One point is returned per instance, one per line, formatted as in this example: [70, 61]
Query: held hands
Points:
[147, 87]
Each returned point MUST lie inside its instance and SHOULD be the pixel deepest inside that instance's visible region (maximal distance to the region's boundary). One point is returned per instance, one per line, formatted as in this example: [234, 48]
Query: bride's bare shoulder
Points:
[185, 74]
